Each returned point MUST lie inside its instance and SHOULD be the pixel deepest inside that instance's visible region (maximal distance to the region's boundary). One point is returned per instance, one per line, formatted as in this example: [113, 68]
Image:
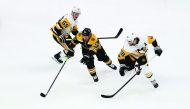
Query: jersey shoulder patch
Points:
[93, 39]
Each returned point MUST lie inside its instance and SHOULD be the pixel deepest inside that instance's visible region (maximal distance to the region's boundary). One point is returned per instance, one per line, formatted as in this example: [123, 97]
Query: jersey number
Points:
[65, 24]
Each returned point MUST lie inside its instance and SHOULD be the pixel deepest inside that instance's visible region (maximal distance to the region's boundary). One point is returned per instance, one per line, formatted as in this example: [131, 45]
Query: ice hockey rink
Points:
[26, 48]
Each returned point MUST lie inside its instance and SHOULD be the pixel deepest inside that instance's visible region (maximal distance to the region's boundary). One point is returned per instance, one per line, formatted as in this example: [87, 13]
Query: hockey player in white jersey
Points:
[61, 33]
[135, 51]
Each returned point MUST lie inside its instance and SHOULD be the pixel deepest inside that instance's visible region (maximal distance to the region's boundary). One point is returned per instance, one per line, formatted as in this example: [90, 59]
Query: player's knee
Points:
[90, 63]
[129, 63]
[100, 58]
[103, 57]
[54, 37]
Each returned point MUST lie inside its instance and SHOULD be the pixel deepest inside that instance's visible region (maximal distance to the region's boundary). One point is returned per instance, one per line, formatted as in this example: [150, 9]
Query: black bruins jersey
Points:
[93, 43]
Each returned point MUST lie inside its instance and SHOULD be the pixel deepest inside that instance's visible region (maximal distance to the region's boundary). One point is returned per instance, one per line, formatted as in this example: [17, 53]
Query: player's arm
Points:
[75, 30]
[157, 49]
[75, 41]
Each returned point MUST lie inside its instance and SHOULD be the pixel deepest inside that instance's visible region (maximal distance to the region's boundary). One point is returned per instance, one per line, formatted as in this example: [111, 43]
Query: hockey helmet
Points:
[130, 37]
[133, 37]
[76, 10]
[86, 32]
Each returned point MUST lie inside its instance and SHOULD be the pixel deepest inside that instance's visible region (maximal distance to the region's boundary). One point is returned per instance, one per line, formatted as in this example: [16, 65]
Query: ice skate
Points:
[114, 67]
[57, 58]
[154, 83]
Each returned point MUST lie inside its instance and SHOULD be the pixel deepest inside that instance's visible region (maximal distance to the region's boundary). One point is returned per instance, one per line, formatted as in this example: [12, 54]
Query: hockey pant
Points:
[129, 64]
[101, 56]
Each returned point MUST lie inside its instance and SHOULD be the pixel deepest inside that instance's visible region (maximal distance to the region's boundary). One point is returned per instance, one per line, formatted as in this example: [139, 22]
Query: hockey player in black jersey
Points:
[90, 47]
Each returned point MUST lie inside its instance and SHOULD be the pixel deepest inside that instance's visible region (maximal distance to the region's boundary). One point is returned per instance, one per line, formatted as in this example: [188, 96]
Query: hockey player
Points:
[135, 51]
[91, 46]
[61, 33]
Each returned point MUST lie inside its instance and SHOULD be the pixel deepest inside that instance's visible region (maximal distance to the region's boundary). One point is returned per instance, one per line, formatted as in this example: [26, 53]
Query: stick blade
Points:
[107, 96]
[42, 95]
[118, 34]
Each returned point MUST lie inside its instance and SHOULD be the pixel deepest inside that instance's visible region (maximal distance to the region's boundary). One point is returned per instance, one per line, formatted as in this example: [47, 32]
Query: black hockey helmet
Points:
[86, 32]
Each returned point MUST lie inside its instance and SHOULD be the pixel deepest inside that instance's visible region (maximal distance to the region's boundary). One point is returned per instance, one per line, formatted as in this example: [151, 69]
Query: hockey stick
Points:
[110, 96]
[118, 34]
[44, 95]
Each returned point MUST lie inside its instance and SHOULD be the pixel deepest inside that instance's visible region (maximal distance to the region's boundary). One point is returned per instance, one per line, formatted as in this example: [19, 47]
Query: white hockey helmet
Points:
[130, 37]
[76, 10]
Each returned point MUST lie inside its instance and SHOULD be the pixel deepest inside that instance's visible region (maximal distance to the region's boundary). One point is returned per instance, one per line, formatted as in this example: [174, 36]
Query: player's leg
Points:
[102, 56]
[142, 61]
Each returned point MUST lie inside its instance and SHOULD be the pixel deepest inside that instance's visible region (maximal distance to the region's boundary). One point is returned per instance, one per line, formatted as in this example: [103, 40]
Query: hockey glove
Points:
[86, 59]
[158, 50]
[70, 53]
[122, 69]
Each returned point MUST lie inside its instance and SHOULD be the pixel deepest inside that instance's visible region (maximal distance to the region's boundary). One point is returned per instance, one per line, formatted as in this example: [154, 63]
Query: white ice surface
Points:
[26, 46]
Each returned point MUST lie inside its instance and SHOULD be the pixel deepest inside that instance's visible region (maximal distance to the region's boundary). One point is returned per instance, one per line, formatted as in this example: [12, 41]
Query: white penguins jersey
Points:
[63, 28]
[139, 49]
[67, 23]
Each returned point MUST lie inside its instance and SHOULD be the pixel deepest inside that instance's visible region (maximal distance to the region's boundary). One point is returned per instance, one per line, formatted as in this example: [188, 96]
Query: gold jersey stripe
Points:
[92, 71]
[53, 32]
[132, 58]
[57, 26]
[74, 43]
[136, 55]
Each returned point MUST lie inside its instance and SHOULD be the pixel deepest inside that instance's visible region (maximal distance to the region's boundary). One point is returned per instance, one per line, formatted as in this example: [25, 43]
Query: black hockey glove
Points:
[122, 69]
[86, 59]
[158, 50]
[70, 53]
